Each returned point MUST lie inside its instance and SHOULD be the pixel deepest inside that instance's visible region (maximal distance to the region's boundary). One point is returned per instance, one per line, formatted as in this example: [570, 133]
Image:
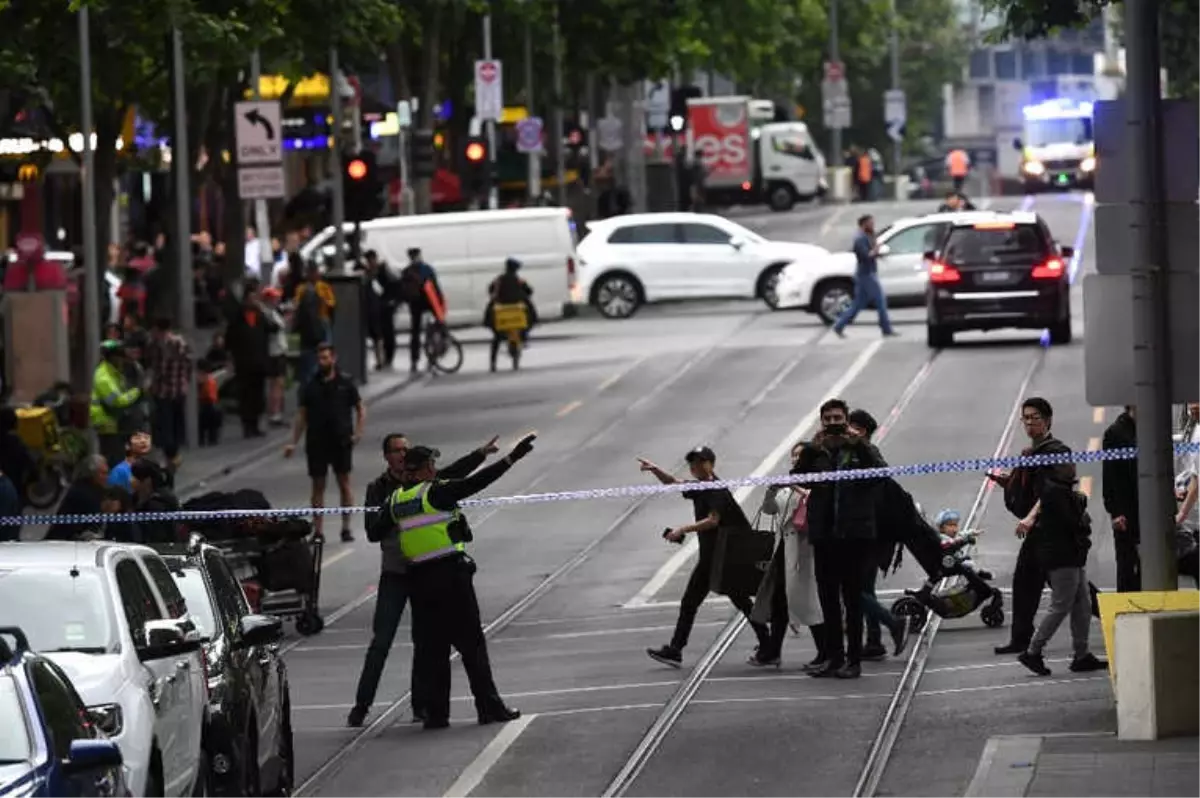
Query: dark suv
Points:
[249, 735]
[991, 274]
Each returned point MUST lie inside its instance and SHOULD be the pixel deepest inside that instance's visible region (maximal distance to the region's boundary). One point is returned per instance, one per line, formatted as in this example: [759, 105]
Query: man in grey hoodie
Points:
[392, 595]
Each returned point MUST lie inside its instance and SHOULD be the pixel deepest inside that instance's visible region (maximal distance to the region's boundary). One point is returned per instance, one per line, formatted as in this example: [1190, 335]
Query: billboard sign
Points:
[721, 137]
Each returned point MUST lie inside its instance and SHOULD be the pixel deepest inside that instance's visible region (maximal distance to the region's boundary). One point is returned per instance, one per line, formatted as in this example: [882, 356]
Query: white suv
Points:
[112, 617]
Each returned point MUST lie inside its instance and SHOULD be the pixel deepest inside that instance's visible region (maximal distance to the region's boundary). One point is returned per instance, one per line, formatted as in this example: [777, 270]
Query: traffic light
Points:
[424, 154]
[476, 154]
[361, 187]
[679, 108]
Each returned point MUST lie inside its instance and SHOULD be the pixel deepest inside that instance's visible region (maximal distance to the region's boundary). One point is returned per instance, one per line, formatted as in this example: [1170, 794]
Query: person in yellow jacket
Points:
[111, 398]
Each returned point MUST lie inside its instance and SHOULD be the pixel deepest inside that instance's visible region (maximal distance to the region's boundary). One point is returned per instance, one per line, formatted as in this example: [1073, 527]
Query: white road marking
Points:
[832, 220]
[569, 408]
[769, 463]
[473, 776]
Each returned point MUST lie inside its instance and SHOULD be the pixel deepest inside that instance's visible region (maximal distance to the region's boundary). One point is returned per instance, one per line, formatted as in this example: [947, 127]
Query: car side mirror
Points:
[930, 255]
[737, 243]
[1017, 144]
[160, 634]
[260, 630]
[884, 250]
[1067, 252]
[89, 756]
[166, 638]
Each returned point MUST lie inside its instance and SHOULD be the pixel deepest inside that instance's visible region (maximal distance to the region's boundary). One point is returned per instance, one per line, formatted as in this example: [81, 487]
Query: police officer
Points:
[392, 594]
[432, 534]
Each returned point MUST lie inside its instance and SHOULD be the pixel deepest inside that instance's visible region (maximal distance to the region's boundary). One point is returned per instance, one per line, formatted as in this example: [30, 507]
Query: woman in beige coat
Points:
[787, 595]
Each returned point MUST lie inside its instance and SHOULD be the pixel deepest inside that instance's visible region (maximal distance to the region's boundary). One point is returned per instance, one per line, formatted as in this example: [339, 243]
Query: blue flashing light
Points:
[1058, 109]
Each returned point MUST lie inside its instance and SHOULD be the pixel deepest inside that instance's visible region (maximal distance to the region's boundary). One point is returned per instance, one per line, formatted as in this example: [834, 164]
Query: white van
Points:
[468, 251]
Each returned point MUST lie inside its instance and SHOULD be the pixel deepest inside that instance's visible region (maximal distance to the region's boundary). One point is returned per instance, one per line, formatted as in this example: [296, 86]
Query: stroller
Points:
[966, 592]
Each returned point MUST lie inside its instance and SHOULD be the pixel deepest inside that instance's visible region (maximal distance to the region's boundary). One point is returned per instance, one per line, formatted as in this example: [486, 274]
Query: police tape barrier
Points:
[622, 492]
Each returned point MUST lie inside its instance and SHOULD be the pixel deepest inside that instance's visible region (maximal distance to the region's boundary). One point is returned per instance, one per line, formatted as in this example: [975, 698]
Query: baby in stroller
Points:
[942, 552]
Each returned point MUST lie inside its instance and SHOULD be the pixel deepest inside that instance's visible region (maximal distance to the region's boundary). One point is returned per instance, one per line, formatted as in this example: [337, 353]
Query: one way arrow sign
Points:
[257, 125]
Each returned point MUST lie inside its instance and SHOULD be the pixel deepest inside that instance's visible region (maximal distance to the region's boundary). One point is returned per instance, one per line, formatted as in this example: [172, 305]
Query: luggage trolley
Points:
[278, 562]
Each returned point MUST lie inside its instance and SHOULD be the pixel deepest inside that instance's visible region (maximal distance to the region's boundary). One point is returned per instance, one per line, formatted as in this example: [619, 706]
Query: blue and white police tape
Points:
[622, 492]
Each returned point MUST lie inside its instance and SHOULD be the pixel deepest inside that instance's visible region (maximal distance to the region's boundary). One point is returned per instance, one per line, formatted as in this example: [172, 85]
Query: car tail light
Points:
[943, 273]
[746, 186]
[1052, 269]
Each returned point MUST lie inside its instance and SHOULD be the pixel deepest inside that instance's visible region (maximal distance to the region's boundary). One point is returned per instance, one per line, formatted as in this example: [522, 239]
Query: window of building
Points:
[1058, 63]
[987, 107]
[1006, 65]
[1082, 64]
[981, 64]
[1033, 63]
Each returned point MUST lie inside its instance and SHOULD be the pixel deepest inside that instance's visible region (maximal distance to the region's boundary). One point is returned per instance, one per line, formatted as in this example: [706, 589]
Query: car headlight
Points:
[1033, 168]
[1087, 164]
[108, 718]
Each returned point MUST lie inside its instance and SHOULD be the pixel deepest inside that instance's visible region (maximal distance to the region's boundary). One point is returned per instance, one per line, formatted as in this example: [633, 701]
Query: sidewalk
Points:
[1092, 765]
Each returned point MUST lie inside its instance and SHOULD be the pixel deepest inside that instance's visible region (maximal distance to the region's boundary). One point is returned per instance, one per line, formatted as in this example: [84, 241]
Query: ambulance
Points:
[1058, 150]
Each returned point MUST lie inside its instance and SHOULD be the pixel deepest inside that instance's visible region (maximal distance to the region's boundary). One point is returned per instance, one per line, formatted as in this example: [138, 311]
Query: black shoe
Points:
[826, 669]
[1035, 663]
[851, 670]
[759, 659]
[347, 536]
[1088, 663]
[813, 665]
[358, 713]
[875, 652]
[899, 636]
[437, 723]
[667, 655]
[418, 715]
[1010, 648]
[498, 713]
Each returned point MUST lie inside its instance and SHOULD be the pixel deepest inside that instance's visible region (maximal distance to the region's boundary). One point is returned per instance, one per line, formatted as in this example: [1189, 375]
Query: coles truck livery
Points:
[747, 162]
[721, 137]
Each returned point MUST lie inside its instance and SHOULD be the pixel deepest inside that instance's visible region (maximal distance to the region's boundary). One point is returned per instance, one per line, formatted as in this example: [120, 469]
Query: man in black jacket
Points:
[1121, 501]
[392, 594]
[83, 498]
[841, 527]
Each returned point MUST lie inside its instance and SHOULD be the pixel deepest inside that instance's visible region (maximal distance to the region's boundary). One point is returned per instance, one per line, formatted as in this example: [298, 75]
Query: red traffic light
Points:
[475, 152]
[357, 169]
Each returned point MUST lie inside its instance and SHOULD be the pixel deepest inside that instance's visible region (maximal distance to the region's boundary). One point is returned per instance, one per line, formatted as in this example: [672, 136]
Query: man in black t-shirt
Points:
[715, 510]
[333, 414]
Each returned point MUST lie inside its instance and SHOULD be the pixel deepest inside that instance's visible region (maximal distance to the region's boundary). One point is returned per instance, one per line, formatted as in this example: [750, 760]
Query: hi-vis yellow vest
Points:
[424, 529]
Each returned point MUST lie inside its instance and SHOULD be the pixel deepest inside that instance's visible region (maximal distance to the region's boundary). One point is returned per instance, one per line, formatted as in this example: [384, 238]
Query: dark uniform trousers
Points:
[390, 600]
[445, 615]
[840, 567]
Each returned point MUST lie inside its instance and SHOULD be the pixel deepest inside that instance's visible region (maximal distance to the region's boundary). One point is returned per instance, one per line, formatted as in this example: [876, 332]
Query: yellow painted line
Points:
[1098, 415]
[569, 408]
[1085, 486]
[1093, 444]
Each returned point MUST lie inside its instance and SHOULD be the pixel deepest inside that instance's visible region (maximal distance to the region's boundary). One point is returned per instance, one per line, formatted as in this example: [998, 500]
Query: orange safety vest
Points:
[958, 163]
[864, 168]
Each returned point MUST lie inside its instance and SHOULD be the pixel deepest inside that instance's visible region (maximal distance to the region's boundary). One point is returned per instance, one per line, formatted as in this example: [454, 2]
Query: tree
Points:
[1180, 48]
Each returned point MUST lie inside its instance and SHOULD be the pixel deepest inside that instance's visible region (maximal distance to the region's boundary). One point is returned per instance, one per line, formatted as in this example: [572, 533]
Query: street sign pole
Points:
[1150, 272]
[335, 166]
[560, 165]
[836, 57]
[183, 236]
[894, 42]
[262, 221]
[404, 118]
[91, 263]
[489, 179]
[534, 176]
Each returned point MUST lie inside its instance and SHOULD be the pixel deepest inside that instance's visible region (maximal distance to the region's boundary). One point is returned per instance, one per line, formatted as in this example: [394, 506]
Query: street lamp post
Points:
[91, 263]
[183, 236]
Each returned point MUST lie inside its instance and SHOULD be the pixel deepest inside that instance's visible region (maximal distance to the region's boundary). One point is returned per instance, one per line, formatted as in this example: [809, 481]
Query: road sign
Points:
[609, 134]
[835, 96]
[658, 97]
[261, 182]
[529, 134]
[403, 114]
[895, 113]
[835, 72]
[258, 127]
[657, 120]
[837, 113]
[489, 90]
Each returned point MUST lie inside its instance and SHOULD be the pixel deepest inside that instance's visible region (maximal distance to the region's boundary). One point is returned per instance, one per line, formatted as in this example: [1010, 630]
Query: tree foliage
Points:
[1179, 21]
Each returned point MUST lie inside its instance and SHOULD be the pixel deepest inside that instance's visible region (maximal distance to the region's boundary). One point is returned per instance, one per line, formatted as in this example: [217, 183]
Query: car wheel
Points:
[832, 298]
[618, 296]
[767, 285]
[1060, 332]
[781, 198]
[937, 336]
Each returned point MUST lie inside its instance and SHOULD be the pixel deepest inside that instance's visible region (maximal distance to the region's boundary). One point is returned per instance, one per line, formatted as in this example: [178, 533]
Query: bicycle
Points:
[443, 351]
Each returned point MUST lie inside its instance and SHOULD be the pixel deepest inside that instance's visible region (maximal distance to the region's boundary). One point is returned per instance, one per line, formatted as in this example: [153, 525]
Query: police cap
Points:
[418, 456]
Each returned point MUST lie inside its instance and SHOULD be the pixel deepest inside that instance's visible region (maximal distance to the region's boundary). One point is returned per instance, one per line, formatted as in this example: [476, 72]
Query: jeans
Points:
[390, 601]
[1069, 595]
[840, 567]
[877, 616]
[167, 425]
[866, 290]
[306, 367]
[416, 315]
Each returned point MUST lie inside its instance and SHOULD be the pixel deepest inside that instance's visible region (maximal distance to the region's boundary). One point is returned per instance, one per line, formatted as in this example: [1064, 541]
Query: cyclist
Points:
[513, 297]
[419, 288]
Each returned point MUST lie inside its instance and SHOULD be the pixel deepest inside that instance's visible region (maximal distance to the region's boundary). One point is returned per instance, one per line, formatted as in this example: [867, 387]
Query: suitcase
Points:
[742, 558]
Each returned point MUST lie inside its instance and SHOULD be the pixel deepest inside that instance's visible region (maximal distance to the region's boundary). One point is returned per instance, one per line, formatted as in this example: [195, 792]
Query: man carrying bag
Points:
[721, 527]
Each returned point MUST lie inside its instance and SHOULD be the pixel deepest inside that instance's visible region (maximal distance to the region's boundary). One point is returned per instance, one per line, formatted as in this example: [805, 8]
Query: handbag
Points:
[800, 514]
[741, 559]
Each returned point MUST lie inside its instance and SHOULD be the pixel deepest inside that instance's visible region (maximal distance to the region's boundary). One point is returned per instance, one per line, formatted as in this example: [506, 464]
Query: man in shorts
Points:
[332, 415]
